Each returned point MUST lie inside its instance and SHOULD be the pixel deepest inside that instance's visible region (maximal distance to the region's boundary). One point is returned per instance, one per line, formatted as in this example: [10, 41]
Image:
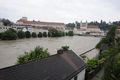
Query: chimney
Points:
[60, 51]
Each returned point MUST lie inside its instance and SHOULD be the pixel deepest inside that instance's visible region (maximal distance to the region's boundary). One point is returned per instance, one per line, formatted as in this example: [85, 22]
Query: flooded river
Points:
[10, 50]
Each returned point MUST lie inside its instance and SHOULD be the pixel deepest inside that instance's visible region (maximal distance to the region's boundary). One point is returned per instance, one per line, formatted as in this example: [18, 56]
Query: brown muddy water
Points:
[10, 50]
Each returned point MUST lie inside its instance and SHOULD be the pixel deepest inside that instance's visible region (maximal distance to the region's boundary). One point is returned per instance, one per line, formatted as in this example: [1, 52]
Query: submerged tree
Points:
[39, 34]
[21, 34]
[9, 34]
[44, 34]
[27, 34]
[70, 33]
[34, 35]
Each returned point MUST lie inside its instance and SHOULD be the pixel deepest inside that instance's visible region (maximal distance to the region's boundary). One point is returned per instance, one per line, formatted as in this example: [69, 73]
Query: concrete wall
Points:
[81, 75]
[92, 54]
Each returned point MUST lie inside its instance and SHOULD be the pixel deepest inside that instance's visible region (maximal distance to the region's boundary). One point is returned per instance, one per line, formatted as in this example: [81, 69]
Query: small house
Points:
[62, 66]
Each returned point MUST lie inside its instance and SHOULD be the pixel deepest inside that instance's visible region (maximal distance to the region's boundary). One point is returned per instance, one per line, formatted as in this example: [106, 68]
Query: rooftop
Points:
[118, 27]
[56, 67]
[39, 22]
[92, 26]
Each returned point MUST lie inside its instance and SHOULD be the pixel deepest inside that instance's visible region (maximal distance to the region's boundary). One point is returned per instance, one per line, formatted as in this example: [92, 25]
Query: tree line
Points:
[102, 24]
[12, 34]
[111, 53]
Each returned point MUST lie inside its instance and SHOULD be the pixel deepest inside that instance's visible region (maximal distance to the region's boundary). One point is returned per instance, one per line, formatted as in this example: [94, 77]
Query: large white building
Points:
[38, 26]
[3, 28]
[84, 29]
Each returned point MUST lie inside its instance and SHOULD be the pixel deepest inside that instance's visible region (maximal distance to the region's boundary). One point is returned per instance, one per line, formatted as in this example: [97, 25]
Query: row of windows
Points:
[5, 27]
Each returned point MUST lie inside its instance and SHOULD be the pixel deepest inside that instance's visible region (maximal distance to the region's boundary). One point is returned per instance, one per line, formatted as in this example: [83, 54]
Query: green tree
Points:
[49, 34]
[37, 53]
[0, 35]
[7, 22]
[92, 64]
[109, 39]
[112, 67]
[70, 33]
[44, 34]
[21, 34]
[105, 53]
[9, 35]
[65, 48]
[53, 32]
[34, 35]
[39, 34]
[27, 34]
[66, 33]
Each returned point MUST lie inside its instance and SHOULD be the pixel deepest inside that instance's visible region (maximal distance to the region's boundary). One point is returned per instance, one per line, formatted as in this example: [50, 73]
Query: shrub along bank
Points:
[109, 53]
[11, 34]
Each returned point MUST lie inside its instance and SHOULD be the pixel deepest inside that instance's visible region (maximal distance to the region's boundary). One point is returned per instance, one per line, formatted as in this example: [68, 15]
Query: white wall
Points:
[92, 54]
[93, 30]
[81, 75]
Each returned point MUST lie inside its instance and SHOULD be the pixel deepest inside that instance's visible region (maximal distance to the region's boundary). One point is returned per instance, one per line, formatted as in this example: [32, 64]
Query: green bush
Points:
[27, 34]
[49, 34]
[83, 56]
[0, 35]
[109, 39]
[39, 34]
[21, 34]
[112, 68]
[66, 34]
[55, 33]
[37, 53]
[9, 35]
[34, 35]
[44, 34]
[65, 48]
[70, 33]
[92, 64]
[105, 53]
[63, 33]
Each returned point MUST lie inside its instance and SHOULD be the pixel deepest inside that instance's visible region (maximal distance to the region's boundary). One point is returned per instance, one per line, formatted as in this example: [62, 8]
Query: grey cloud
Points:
[59, 10]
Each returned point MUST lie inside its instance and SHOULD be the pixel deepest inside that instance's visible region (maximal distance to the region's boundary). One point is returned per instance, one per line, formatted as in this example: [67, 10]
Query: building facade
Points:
[36, 26]
[117, 32]
[4, 28]
[94, 30]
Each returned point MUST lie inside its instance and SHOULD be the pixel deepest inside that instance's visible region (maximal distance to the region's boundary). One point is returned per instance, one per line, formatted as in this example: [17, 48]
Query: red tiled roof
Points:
[38, 22]
[118, 27]
[92, 26]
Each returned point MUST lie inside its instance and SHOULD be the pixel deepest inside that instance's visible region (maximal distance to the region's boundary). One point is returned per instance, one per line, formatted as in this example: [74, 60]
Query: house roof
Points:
[92, 26]
[118, 27]
[39, 22]
[57, 67]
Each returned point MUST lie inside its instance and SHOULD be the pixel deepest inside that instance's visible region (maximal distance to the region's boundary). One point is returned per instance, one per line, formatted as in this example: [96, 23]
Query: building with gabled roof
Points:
[94, 30]
[39, 24]
[62, 66]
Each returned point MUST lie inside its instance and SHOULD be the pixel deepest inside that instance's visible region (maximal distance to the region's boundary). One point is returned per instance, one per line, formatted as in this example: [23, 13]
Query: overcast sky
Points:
[61, 10]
